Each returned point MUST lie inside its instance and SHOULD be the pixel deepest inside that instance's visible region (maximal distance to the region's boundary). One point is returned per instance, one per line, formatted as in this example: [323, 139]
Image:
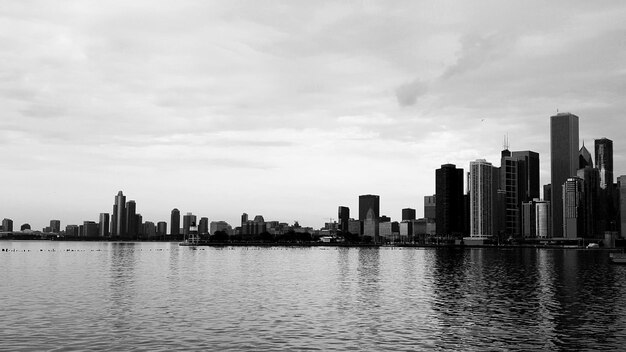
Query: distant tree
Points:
[219, 236]
[266, 237]
[25, 227]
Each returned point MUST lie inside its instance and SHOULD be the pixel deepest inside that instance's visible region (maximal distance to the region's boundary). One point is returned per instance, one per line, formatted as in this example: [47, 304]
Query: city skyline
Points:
[288, 110]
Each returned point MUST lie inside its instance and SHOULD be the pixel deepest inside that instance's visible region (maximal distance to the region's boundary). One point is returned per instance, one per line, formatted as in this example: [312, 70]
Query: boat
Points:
[618, 258]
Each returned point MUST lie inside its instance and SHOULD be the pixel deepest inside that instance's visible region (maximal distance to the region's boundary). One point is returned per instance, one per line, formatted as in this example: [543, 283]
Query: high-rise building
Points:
[7, 225]
[161, 228]
[572, 191]
[369, 212]
[131, 220]
[563, 164]
[547, 194]
[72, 231]
[139, 226]
[203, 226]
[529, 219]
[343, 216]
[55, 226]
[244, 219]
[90, 229]
[118, 218]
[543, 220]
[590, 202]
[512, 180]
[449, 200]
[103, 225]
[604, 161]
[584, 158]
[606, 213]
[621, 189]
[482, 199]
[528, 174]
[189, 220]
[430, 205]
[149, 230]
[369, 202]
[175, 222]
[408, 214]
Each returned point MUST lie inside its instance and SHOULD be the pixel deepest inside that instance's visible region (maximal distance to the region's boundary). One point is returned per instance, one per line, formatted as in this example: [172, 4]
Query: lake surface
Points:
[65, 296]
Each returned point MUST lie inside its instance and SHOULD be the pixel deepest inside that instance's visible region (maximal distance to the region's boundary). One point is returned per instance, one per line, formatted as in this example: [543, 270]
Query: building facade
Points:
[449, 208]
[564, 163]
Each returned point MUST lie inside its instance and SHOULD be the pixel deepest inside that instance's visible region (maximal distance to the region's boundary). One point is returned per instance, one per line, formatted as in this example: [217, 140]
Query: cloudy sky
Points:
[288, 108]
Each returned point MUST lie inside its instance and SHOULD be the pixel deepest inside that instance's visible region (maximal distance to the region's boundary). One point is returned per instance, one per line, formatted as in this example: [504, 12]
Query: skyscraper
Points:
[606, 214]
[482, 199]
[430, 204]
[203, 226]
[449, 208]
[7, 225]
[621, 188]
[103, 225]
[564, 162]
[131, 220]
[589, 202]
[343, 216]
[408, 214]
[529, 174]
[175, 222]
[369, 212]
[118, 220]
[189, 220]
[55, 226]
[512, 179]
[604, 161]
[572, 191]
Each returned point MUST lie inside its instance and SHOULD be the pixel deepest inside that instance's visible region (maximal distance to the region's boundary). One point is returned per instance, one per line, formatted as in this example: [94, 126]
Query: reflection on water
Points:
[157, 296]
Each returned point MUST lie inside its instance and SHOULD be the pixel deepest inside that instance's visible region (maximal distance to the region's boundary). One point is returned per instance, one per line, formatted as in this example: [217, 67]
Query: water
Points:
[157, 296]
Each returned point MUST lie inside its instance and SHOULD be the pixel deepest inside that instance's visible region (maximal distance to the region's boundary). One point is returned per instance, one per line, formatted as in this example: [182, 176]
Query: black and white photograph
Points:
[299, 175]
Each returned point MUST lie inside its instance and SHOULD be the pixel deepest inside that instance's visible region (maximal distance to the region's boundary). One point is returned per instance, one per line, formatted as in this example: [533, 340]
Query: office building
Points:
[203, 226]
[118, 217]
[621, 190]
[189, 221]
[175, 222]
[528, 175]
[355, 227]
[72, 231]
[564, 163]
[90, 229]
[547, 193]
[543, 219]
[343, 216]
[604, 162]
[512, 180]
[103, 225]
[430, 205]
[55, 226]
[408, 214]
[590, 198]
[606, 213]
[449, 201]
[161, 228]
[7, 225]
[131, 220]
[482, 199]
[572, 191]
[369, 213]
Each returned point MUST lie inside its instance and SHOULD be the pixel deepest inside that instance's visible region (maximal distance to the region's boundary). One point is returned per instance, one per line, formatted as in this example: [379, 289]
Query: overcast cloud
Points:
[287, 108]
